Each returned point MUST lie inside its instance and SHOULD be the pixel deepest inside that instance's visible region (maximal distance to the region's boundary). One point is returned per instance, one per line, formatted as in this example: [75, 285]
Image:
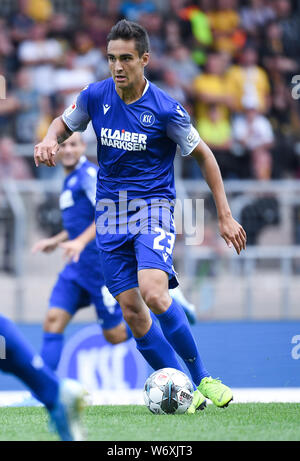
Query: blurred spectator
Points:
[225, 22]
[179, 61]
[171, 84]
[290, 25]
[153, 23]
[7, 51]
[172, 34]
[8, 107]
[41, 55]
[197, 15]
[255, 16]
[253, 133]
[133, 9]
[70, 80]
[275, 54]
[12, 166]
[98, 27]
[285, 119]
[39, 10]
[215, 130]
[45, 118]
[211, 87]
[248, 80]
[60, 27]
[88, 56]
[27, 115]
[20, 22]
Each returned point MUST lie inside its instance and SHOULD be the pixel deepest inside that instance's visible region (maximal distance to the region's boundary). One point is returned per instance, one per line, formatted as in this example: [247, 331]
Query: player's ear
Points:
[145, 59]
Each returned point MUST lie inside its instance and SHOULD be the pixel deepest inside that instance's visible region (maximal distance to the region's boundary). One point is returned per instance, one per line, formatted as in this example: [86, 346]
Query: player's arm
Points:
[181, 131]
[45, 151]
[48, 245]
[73, 248]
[231, 231]
[74, 118]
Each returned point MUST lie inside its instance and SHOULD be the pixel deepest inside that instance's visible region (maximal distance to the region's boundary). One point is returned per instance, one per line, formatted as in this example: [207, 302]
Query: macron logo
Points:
[178, 109]
[165, 256]
[106, 108]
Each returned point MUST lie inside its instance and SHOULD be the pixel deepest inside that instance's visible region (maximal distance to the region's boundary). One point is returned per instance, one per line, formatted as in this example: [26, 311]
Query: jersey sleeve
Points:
[76, 116]
[181, 131]
[89, 184]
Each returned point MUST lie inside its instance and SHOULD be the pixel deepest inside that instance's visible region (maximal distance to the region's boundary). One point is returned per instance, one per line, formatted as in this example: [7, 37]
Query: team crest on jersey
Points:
[147, 118]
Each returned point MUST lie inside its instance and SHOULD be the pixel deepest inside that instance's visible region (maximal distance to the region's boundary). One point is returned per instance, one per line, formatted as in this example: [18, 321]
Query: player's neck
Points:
[68, 170]
[132, 93]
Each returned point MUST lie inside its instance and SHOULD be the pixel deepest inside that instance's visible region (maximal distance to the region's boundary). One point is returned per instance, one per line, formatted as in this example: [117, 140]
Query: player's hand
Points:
[45, 152]
[233, 233]
[44, 245]
[72, 250]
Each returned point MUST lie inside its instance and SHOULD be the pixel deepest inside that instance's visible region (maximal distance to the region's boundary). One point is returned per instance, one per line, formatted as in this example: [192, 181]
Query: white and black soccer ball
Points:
[168, 391]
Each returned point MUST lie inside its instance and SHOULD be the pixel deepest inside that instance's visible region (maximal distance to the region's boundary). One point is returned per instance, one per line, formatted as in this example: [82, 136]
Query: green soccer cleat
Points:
[216, 391]
[198, 403]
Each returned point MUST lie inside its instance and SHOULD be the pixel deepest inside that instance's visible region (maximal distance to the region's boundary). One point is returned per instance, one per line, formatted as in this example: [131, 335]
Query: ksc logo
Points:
[88, 358]
[147, 118]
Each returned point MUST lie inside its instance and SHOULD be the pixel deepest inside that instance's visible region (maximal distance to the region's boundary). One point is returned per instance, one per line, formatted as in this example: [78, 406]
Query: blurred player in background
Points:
[62, 398]
[81, 282]
[138, 127]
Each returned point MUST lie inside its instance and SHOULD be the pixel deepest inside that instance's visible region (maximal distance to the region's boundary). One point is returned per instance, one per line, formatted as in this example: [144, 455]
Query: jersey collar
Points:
[81, 161]
[146, 87]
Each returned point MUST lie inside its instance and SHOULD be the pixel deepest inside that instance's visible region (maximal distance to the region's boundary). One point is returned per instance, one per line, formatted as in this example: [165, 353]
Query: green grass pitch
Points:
[240, 422]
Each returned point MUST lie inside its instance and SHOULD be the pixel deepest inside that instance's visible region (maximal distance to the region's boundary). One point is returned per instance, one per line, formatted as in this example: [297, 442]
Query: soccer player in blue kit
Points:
[81, 282]
[62, 398]
[138, 128]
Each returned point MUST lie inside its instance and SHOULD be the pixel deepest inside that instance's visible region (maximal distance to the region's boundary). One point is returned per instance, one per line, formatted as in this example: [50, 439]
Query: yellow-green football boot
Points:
[198, 403]
[216, 391]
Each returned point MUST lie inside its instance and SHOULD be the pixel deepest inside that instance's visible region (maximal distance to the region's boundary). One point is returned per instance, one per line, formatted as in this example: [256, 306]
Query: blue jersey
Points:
[77, 204]
[136, 142]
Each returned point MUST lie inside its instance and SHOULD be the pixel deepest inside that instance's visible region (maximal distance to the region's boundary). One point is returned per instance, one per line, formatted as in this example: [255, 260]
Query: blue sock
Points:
[156, 350]
[177, 331]
[22, 361]
[52, 349]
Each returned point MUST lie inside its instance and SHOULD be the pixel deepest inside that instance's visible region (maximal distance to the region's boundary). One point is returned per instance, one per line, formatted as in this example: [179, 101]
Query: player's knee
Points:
[54, 322]
[131, 316]
[114, 336]
[157, 301]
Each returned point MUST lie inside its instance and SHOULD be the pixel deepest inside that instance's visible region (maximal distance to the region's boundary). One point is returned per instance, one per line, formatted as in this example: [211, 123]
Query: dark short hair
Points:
[128, 30]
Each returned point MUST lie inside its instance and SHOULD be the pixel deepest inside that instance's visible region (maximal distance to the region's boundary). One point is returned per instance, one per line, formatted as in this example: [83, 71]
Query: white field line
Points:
[135, 396]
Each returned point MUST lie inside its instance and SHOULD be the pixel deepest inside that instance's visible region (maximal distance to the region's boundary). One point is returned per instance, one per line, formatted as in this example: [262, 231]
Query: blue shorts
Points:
[120, 266]
[70, 296]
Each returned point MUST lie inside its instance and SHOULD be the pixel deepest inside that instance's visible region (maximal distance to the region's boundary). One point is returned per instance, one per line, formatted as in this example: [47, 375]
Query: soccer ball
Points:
[168, 391]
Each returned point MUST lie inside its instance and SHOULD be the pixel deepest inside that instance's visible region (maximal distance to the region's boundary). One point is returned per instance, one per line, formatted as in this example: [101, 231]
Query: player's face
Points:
[70, 151]
[126, 66]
